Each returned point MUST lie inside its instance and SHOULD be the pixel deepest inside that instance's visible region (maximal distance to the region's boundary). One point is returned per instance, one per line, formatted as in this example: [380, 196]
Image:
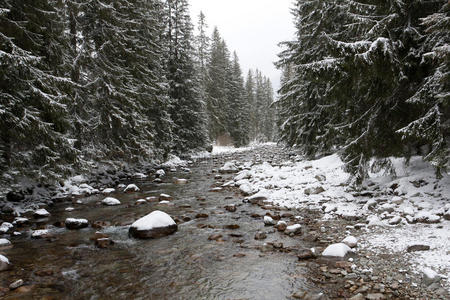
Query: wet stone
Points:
[416, 248]
[215, 237]
[232, 226]
[260, 236]
[100, 224]
[305, 254]
[201, 216]
[377, 296]
[16, 284]
[103, 243]
[239, 255]
[231, 208]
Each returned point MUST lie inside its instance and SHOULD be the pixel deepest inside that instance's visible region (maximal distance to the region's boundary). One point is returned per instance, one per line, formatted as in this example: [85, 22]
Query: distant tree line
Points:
[88, 81]
[369, 79]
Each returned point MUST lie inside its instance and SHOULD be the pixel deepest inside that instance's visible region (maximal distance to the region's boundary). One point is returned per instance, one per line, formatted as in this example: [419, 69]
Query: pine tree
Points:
[33, 111]
[238, 111]
[251, 103]
[355, 65]
[433, 125]
[217, 86]
[188, 108]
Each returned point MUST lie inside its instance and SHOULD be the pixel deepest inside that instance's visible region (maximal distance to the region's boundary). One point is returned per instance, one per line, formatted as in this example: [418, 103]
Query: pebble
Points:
[268, 221]
[215, 237]
[260, 236]
[201, 216]
[357, 297]
[415, 248]
[305, 254]
[16, 284]
[231, 208]
[377, 296]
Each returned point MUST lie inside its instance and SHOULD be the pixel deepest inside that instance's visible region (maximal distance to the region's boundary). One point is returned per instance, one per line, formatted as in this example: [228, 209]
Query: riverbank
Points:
[227, 246]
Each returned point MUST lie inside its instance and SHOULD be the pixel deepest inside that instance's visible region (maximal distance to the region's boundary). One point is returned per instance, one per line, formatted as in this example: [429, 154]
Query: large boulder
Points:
[154, 225]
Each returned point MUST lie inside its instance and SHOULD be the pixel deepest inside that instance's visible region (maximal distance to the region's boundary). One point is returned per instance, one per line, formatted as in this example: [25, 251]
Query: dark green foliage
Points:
[187, 110]
[354, 73]
[34, 131]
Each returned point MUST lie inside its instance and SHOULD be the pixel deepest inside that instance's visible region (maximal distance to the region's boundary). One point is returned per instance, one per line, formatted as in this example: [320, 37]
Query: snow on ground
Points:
[412, 208]
[221, 150]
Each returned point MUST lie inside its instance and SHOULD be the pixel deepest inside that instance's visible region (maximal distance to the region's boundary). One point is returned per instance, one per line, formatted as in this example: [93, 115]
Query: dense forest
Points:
[369, 79]
[87, 82]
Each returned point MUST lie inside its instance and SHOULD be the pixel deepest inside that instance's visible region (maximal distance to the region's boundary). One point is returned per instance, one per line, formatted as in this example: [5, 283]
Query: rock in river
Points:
[4, 263]
[154, 225]
[41, 213]
[336, 250]
[132, 188]
[110, 201]
[72, 223]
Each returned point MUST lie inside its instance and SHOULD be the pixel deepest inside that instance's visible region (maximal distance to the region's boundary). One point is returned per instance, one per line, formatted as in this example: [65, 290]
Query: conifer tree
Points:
[187, 105]
[33, 112]
[217, 86]
[356, 64]
[238, 111]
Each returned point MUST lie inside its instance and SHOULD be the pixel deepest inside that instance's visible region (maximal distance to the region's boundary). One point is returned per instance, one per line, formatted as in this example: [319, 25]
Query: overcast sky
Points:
[252, 28]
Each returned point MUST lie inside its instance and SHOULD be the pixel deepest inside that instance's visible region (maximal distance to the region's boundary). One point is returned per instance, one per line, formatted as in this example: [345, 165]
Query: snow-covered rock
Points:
[141, 201]
[108, 191]
[181, 181]
[160, 173]
[69, 209]
[165, 197]
[38, 234]
[430, 276]
[154, 225]
[395, 220]
[4, 263]
[109, 201]
[350, 241]
[4, 242]
[293, 229]
[20, 221]
[5, 227]
[131, 188]
[336, 250]
[41, 213]
[229, 167]
[247, 189]
[314, 190]
[281, 226]
[426, 217]
[268, 221]
[72, 223]
[243, 175]
[374, 221]
[140, 175]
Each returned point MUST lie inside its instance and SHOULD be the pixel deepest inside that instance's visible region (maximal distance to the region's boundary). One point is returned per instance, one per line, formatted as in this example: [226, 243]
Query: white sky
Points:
[252, 28]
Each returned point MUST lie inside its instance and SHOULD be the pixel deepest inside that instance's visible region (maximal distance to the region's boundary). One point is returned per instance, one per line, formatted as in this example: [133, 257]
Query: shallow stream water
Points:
[185, 265]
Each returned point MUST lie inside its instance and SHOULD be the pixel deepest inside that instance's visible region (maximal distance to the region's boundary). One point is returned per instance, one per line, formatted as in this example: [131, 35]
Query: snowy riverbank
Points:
[412, 209]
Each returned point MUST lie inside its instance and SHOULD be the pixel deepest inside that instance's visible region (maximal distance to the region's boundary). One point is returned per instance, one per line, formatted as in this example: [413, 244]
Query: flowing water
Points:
[185, 265]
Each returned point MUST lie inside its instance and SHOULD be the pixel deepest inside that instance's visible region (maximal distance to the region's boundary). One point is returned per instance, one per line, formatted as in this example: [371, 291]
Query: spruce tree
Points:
[187, 109]
[238, 111]
[217, 86]
[33, 107]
